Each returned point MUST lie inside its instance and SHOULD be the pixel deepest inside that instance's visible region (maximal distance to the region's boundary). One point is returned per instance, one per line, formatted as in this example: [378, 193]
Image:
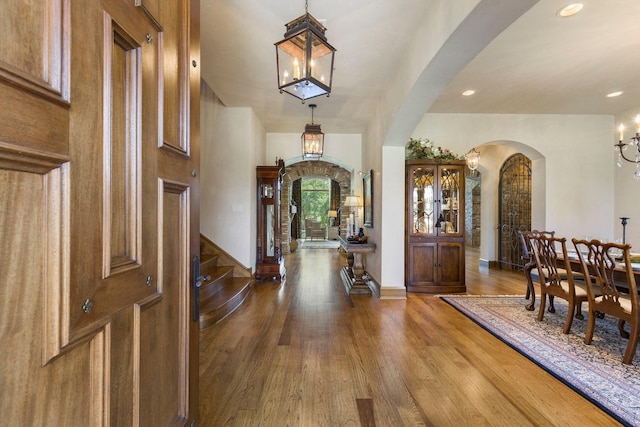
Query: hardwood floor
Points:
[304, 353]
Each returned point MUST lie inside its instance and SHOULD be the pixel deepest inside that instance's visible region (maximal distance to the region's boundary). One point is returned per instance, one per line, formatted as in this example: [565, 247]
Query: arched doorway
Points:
[514, 212]
[341, 178]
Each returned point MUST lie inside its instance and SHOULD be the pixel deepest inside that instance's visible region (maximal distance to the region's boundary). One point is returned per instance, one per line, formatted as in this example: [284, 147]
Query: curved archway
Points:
[493, 155]
[299, 168]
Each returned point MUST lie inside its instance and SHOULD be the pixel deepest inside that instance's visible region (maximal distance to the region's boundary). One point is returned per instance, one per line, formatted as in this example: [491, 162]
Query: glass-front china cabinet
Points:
[269, 261]
[434, 226]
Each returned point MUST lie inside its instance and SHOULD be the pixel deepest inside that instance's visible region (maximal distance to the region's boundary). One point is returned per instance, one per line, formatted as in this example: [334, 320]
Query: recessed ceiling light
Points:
[468, 92]
[614, 94]
[569, 10]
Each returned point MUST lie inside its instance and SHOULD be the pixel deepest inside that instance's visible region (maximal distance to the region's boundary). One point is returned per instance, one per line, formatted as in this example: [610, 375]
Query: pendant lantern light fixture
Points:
[304, 59]
[312, 139]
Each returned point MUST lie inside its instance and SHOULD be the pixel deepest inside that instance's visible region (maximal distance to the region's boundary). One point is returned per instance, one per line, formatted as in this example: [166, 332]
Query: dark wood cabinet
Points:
[434, 226]
[269, 261]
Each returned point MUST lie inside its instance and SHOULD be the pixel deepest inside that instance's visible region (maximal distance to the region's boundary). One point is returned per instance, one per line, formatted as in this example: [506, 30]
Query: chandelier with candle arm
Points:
[634, 144]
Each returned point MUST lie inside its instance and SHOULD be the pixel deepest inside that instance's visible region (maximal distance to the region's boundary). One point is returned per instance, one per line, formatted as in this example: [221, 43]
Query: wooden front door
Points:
[99, 220]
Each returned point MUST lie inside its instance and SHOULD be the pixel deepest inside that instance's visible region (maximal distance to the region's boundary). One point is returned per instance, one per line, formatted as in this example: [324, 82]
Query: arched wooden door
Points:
[514, 210]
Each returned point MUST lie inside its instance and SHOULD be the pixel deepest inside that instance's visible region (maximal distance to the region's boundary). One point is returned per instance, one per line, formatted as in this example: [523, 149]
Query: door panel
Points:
[126, 169]
[23, 251]
[34, 56]
[98, 222]
[172, 18]
[422, 264]
[164, 328]
[451, 263]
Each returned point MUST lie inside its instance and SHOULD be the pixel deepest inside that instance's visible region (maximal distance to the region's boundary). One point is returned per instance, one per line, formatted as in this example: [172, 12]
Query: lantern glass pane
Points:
[321, 61]
[305, 90]
[290, 62]
[312, 144]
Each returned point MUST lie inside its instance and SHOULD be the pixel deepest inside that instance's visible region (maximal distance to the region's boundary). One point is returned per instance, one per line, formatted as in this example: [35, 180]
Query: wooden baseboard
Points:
[393, 293]
[486, 263]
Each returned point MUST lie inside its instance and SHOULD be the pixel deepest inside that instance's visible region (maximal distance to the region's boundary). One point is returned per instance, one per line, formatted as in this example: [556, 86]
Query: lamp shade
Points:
[333, 214]
[304, 59]
[352, 202]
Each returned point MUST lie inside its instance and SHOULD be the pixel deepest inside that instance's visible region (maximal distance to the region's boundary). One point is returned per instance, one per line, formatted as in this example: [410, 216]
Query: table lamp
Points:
[332, 217]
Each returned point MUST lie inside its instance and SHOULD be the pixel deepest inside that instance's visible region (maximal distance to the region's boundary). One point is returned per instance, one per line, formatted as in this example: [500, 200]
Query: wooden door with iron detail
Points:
[99, 220]
[514, 212]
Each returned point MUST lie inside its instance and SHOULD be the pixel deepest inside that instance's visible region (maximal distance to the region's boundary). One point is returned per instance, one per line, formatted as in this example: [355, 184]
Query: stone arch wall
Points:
[310, 168]
[472, 209]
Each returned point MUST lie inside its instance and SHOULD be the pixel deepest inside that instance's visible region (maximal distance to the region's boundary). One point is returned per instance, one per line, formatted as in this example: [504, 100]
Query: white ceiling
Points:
[540, 64]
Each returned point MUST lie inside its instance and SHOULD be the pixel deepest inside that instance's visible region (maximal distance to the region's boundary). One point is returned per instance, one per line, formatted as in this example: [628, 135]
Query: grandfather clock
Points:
[269, 263]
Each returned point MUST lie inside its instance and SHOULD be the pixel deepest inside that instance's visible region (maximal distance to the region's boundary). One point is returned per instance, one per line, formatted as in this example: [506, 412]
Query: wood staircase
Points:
[227, 285]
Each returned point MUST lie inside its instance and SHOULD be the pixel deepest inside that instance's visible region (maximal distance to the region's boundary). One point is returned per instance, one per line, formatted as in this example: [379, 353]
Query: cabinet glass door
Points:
[423, 201]
[269, 227]
[449, 217]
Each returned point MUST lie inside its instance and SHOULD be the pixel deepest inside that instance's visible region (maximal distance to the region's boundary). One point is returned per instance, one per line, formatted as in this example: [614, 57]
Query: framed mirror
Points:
[367, 193]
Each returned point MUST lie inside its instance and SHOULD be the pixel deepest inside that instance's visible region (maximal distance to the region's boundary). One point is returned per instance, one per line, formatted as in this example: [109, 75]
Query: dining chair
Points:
[314, 229]
[556, 278]
[530, 271]
[598, 261]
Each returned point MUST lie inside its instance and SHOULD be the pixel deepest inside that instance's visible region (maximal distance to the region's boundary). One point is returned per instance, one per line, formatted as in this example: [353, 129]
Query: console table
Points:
[352, 274]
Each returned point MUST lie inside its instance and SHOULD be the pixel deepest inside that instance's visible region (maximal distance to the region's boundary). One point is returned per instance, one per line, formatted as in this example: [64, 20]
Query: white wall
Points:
[572, 151]
[390, 267]
[572, 176]
[233, 144]
[342, 149]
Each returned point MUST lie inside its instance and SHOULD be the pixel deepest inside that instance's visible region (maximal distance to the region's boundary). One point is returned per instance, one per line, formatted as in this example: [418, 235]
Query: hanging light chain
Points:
[306, 6]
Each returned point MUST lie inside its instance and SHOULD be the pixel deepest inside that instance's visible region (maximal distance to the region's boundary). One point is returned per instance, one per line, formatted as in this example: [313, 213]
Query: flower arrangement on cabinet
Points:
[423, 148]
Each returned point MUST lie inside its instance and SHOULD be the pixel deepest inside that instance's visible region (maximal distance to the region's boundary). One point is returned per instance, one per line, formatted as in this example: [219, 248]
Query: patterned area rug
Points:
[319, 244]
[595, 371]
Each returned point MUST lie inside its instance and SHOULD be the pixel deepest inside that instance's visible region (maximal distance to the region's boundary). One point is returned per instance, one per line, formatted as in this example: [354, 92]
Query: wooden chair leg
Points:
[591, 325]
[569, 320]
[579, 314]
[531, 292]
[623, 333]
[632, 345]
[543, 300]
[552, 309]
